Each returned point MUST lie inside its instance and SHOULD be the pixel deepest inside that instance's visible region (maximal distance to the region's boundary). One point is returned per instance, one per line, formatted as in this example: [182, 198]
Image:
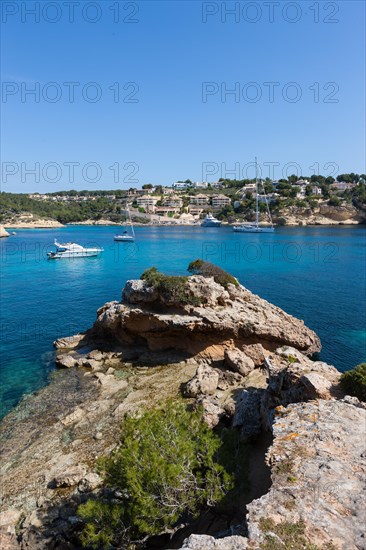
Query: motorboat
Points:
[72, 250]
[125, 236]
[255, 227]
[210, 221]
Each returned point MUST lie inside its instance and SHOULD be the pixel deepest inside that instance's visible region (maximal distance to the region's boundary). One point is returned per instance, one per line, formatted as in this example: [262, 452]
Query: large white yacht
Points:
[72, 250]
[210, 221]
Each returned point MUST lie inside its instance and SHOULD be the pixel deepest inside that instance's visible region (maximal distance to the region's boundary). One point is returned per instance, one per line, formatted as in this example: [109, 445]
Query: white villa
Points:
[180, 185]
[199, 185]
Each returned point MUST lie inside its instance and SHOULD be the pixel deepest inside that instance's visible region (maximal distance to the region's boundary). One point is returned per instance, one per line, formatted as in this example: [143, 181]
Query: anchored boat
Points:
[255, 227]
[72, 250]
[126, 237]
[210, 221]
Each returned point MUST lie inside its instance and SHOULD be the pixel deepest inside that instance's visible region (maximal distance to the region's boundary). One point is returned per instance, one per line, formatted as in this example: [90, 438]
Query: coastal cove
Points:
[314, 273]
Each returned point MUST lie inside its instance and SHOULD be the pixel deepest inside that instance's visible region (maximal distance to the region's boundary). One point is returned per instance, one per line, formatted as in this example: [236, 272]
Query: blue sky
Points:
[176, 60]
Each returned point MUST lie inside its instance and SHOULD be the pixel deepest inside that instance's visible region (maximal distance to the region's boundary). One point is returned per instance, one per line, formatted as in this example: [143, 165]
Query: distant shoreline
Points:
[175, 225]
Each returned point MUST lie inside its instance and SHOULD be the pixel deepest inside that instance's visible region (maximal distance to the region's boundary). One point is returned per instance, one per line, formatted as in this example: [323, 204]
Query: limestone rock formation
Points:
[322, 214]
[220, 319]
[205, 381]
[205, 542]
[318, 469]
[245, 361]
[238, 361]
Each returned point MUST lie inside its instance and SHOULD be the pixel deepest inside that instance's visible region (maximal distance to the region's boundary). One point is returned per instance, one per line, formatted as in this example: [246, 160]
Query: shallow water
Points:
[314, 273]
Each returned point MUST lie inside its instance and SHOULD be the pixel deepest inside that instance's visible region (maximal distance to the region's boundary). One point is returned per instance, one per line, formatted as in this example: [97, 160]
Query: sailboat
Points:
[255, 227]
[125, 236]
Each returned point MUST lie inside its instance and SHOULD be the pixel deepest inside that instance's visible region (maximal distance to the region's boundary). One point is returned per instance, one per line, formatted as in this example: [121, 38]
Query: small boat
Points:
[72, 250]
[210, 221]
[255, 227]
[126, 237]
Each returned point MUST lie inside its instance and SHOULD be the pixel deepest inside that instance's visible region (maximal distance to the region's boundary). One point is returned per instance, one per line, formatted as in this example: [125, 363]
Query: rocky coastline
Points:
[249, 365]
[292, 216]
[3, 232]
[30, 221]
[323, 214]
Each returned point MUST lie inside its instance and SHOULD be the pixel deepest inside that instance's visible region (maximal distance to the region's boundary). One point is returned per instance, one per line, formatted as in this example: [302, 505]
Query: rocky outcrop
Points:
[3, 232]
[322, 214]
[220, 320]
[317, 461]
[205, 381]
[238, 361]
[246, 363]
[318, 469]
[28, 220]
[51, 441]
[341, 213]
[205, 542]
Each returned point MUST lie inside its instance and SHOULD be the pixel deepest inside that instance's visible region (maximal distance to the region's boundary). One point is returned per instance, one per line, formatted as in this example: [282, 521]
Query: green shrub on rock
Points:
[207, 269]
[165, 469]
[171, 288]
[104, 524]
[287, 536]
[353, 382]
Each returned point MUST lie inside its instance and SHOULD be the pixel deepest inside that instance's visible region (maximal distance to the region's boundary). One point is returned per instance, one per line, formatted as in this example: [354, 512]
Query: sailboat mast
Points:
[256, 192]
[130, 219]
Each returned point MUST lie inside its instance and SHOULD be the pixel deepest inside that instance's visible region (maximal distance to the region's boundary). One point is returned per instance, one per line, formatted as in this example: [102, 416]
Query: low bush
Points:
[170, 288]
[207, 269]
[334, 201]
[353, 382]
[166, 469]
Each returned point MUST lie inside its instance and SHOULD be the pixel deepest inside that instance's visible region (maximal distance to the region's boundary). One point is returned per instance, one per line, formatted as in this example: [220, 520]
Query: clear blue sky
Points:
[169, 52]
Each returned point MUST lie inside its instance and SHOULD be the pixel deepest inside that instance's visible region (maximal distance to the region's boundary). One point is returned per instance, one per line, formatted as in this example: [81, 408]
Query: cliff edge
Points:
[247, 363]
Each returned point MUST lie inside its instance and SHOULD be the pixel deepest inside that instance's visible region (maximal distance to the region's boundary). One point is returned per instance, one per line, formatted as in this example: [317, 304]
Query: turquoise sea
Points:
[315, 273]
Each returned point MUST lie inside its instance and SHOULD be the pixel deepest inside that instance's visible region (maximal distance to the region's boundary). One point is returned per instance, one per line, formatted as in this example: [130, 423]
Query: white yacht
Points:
[210, 221]
[255, 227]
[72, 250]
[125, 236]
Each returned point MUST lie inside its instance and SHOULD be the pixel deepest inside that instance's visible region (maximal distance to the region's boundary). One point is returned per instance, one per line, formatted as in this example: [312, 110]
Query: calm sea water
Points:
[316, 274]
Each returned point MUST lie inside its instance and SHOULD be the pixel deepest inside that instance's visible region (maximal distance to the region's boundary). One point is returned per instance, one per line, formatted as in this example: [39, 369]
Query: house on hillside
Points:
[341, 186]
[173, 201]
[180, 185]
[196, 211]
[166, 211]
[199, 200]
[147, 202]
[220, 201]
[199, 185]
[316, 190]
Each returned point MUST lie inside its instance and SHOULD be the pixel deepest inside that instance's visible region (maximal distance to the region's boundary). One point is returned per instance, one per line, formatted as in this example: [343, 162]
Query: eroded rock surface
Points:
[243, 360]
[318, 472]
[225, 319]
